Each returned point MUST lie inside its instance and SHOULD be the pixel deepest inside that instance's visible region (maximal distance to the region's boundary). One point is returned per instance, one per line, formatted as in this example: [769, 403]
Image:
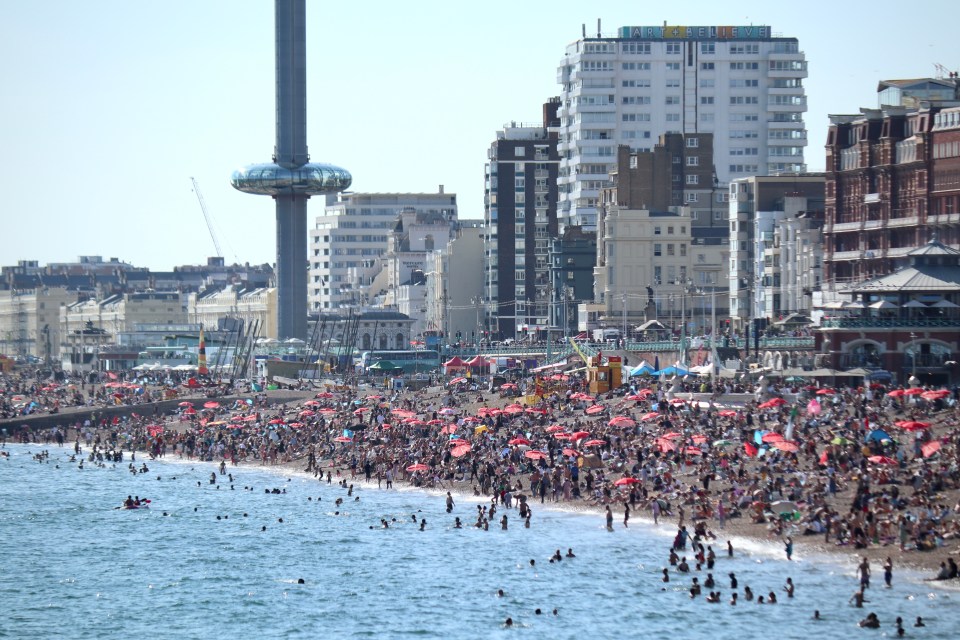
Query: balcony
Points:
[907, 221]
[847, 255]
[846, 226]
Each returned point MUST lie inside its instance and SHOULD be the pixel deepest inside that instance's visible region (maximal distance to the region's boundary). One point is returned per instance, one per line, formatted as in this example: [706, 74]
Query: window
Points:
[672, 100]
[745, 66]
[657, 249]
[673, 83]
[744, 82]
[706, 66]
[674, 49]
[635, 117]
[670, 231]
[706, 99]
[693, 161]
[693, 143]
[735, 100]
[693, 179]
[693, 197]
[673, 66]
[706, 117]
[673, 117]
[706, 83]
[656, 230]
[635, 48]
[744, 49]
[635, 100]
[670, 251]
[708, 48]
[683, 251]
[744, 117]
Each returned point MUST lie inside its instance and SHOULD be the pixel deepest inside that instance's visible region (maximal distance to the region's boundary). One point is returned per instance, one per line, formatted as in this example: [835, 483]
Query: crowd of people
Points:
[865, 468]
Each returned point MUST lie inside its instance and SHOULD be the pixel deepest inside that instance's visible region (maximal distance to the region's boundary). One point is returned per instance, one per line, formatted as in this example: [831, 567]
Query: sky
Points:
[108, 108]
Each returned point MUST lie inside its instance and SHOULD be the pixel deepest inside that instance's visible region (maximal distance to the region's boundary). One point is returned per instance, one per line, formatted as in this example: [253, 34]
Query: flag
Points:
[202, 356]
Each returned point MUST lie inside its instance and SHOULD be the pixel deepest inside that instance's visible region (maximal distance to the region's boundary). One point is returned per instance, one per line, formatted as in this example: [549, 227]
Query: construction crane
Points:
[206, 216]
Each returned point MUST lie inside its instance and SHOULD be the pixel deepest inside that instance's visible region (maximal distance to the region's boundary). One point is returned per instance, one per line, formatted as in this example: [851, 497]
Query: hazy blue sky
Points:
[108, 108]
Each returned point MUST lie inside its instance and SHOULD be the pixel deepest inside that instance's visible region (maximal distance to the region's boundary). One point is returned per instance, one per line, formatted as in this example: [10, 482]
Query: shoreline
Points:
[740, 536]
[919, 561]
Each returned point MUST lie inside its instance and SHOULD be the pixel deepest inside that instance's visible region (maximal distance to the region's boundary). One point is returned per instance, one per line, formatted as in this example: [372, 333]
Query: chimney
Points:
[441, 189]
[598, 27]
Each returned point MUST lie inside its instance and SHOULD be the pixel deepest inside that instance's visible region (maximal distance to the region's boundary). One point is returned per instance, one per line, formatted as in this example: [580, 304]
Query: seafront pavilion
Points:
[291, 178]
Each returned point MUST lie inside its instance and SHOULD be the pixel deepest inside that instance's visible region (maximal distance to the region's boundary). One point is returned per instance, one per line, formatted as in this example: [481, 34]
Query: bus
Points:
[411, 361]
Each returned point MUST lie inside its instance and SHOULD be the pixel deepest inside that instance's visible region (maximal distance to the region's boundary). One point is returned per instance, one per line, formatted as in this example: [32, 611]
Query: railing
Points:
[559, 351]
[861, 323]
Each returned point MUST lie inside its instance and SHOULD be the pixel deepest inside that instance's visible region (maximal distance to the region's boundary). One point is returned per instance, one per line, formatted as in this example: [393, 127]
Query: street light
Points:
[913, 356]
[478, 301]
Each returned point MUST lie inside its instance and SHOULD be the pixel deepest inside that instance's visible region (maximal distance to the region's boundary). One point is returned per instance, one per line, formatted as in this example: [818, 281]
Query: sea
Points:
[225, 560]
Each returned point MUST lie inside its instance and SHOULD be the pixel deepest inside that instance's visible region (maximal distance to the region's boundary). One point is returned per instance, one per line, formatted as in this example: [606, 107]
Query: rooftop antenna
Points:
[598, 28]
[583, 29]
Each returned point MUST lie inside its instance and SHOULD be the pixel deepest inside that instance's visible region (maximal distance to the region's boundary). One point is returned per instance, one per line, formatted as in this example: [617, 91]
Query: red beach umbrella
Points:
[786, 445]
[930, 448]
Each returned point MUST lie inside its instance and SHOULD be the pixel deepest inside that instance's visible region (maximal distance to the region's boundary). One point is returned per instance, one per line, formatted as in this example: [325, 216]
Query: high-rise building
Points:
[743, 84]
[520, 216]
[354, 232]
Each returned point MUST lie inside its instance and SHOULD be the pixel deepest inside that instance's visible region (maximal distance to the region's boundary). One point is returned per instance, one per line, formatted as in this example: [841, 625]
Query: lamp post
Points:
[913, 382]
[477, 301]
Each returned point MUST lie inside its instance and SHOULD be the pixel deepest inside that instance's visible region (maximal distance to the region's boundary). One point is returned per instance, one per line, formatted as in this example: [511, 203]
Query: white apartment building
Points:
[352, 234]
[743, 84]
[767, 279]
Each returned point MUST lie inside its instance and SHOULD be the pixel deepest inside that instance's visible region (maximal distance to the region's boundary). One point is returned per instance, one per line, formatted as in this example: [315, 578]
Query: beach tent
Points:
[477, 362]
[672, 371]
[455, 363]
[642, 369]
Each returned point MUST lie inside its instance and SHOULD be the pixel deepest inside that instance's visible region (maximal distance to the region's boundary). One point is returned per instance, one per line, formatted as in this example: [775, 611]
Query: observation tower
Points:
[291, 178]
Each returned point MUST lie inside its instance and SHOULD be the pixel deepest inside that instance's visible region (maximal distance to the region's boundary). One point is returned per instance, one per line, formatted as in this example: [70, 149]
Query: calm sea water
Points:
[73, 566]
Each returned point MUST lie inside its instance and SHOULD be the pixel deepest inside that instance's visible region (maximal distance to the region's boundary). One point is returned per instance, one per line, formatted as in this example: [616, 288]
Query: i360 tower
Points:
[291, 178]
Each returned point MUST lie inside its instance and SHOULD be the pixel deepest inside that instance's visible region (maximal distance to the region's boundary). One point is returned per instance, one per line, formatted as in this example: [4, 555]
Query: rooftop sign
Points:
[753, 32]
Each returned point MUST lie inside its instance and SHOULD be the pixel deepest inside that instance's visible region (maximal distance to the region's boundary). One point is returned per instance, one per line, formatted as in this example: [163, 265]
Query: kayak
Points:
[141, 506]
